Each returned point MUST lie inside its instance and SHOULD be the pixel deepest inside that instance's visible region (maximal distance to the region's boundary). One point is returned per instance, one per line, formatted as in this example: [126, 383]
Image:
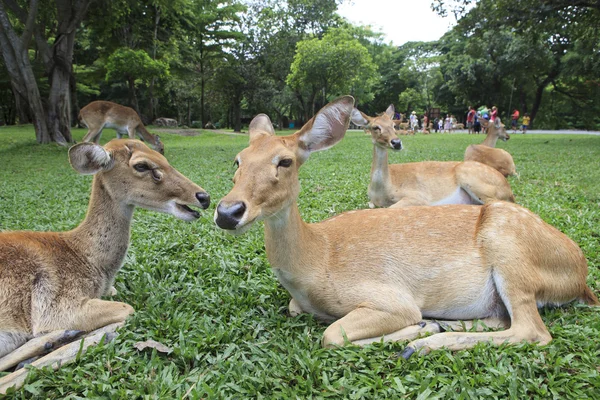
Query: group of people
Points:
[474, 121]
[474, 118]
[515, 121]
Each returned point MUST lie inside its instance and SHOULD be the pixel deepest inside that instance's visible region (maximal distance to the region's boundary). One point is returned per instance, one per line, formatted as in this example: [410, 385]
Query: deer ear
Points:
[89, 158]
[390, 111]
[260, 125]
[327, 127]
[359, 118]
[497, 122]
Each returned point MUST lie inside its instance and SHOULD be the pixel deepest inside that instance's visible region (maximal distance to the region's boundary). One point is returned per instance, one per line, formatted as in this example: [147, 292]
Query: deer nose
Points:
[229, 216]
[397, 144]
[204, 199]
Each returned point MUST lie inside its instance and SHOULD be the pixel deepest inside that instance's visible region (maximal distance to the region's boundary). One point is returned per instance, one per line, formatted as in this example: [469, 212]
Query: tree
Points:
[52, 122]
[329, 67]
[132, 66]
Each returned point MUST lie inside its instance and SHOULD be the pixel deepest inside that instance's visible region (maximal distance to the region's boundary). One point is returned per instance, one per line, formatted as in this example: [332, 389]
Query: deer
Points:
[486, 153]
[51, 282]
[427, 182]
[125, 120]
[495, 263]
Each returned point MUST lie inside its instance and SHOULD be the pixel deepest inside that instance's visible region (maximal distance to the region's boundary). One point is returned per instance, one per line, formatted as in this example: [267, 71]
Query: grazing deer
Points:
[426, 183]
[486, 152]
[53, 280]
[105, 114]
[456, 261]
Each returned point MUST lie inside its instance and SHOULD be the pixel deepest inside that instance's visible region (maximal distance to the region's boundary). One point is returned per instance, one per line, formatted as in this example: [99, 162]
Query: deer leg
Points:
[10, 341]
[435, 326]
[131, 132]
[294, 308]
[526, 325]
[365, 323]
[62, 356]
[93, 135]
[36, 346]
[88, 315]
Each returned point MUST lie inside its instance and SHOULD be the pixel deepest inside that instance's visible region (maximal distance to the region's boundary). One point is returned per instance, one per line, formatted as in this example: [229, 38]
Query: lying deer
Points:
[105, 114]
[53, 281]
[457, 261]
[486, 152]
[428, 182]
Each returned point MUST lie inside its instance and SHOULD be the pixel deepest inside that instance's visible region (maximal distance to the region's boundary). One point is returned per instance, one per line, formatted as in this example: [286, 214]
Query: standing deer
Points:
[486, 152]
[53, 281]
[428, 182]
[377, 273]
[105, 114]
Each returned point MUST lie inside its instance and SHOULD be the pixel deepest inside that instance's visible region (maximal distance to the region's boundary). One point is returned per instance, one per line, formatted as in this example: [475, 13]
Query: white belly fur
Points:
[459, 196]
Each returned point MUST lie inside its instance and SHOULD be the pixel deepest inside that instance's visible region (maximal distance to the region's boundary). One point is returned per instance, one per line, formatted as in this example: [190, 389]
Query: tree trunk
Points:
[59, 99]
[21, 107]
[539, 93]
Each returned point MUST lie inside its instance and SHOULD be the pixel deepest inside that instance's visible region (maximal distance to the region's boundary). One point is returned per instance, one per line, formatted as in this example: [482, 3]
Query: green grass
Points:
[214, 299]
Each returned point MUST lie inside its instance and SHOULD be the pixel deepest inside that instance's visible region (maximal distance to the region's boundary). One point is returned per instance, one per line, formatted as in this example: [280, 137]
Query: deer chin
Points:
[179, 210]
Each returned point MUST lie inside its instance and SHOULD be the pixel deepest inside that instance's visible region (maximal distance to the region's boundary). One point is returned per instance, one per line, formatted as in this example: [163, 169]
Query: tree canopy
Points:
[223, 61]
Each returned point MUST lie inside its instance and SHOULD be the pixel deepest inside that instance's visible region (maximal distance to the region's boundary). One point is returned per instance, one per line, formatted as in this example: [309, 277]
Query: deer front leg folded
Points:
[294, 308]
[367, 323]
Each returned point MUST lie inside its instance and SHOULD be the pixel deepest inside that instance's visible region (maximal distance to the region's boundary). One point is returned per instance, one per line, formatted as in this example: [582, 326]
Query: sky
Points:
[400, 20]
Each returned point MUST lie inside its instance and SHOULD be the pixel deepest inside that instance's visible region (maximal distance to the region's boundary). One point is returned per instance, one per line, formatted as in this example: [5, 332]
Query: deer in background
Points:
[105, 114]
[486, 152]
[375, 274]
[52, 281]
[427, 182]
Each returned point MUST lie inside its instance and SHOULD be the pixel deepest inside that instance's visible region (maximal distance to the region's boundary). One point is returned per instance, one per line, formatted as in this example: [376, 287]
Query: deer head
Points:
[498, 129]
[266, 180]
[135, 175]
[381, 128]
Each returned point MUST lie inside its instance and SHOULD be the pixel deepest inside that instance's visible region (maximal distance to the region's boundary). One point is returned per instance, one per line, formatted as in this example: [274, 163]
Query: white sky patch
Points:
[400, 20]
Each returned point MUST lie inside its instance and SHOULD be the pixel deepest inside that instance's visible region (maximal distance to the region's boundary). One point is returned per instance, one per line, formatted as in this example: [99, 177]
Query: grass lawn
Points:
[213, 298]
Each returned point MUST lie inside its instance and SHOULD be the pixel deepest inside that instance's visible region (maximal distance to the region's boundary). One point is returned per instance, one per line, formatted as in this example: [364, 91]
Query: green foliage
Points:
[127, 64]
[335, 64]
[213, 298]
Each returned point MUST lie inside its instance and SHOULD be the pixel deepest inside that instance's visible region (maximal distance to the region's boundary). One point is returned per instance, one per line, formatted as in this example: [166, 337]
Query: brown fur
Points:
[428, 182]
[375, 273]
[105, 114]
[486, 152]
[53, 280]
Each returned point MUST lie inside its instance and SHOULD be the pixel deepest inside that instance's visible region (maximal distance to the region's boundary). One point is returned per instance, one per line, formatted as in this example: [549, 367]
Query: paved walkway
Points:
[533, 132]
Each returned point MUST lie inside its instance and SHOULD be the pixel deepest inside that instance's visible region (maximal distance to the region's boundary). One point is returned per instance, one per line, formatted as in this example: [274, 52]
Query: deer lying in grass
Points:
[456, 261]
[428, 182]
[486, 152]
[105, 114]
[53, 281]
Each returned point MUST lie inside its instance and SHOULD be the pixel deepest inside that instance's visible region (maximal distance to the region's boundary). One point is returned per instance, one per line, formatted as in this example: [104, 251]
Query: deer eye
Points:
[285, 163]
[141, 167]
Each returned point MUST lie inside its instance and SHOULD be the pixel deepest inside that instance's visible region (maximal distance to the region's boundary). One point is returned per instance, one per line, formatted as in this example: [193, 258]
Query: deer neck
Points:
[102, 238]
[490, 139]
[290, 242]
[380, 172]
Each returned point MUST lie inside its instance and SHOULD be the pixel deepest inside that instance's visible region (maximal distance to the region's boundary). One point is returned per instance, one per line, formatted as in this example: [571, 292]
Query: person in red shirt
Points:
[471, 120]
[515, 119]
[494, 114]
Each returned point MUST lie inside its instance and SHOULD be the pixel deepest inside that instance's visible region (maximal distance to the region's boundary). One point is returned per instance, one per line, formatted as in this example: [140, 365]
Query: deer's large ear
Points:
[390, 111]
[260, 125]
[327, 127]
[497, 122]
[89, 158]
[359, 118]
